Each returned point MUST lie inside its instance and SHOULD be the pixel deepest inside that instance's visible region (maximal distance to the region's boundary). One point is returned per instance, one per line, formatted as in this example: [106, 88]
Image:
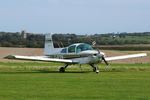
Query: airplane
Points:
[78, 53]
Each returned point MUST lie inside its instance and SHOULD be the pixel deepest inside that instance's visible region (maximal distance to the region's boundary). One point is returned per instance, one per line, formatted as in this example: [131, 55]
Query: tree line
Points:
[11, 39]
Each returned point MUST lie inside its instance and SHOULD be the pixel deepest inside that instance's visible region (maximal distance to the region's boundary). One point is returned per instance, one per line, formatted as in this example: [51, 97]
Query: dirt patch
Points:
[5, 51]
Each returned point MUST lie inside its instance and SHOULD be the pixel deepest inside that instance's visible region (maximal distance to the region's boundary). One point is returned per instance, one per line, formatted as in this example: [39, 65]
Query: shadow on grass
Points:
[47, 71]
[40, 71]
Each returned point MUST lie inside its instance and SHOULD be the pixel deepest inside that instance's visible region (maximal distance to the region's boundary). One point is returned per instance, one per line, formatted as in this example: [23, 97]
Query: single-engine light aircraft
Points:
[79, 53]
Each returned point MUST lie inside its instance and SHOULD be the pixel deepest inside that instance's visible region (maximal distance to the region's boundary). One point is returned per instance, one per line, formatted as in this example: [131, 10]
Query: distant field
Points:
[42, 81]
[129, 47]
[134, 39]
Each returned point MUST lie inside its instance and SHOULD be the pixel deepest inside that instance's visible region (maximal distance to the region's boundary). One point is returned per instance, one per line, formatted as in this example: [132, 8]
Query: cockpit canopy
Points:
[77, 48]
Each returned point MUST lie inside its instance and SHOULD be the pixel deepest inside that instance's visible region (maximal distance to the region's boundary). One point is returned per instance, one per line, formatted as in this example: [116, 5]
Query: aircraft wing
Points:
[125, 56]
[40, 58]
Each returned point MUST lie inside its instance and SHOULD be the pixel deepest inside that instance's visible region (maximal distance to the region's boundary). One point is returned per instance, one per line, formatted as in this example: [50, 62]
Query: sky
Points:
[75, 16]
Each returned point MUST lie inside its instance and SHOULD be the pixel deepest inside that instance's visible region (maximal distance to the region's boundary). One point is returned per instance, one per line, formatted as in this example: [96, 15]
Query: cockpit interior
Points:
[76, 48]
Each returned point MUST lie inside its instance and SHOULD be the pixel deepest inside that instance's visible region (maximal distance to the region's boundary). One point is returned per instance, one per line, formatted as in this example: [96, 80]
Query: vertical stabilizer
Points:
[49, 47]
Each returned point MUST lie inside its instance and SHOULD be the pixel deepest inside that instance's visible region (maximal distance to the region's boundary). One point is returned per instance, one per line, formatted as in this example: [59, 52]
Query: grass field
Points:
[42, 81]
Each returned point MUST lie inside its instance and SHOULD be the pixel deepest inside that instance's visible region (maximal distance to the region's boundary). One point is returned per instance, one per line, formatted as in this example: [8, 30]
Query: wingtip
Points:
[145, 54]
[9, 57]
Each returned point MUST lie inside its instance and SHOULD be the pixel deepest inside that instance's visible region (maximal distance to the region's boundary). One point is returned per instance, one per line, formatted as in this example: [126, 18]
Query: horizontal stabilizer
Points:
[39, 58]
[125, 56]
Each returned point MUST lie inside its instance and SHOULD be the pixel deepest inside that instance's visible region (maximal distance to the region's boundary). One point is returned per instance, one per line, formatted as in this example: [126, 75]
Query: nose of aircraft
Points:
[102, 53]
[99, 54]
[94, 52]
[102, 56]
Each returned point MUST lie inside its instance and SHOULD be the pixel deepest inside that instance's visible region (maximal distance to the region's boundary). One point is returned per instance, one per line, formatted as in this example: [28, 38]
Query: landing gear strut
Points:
[62, 69]
[95, 69]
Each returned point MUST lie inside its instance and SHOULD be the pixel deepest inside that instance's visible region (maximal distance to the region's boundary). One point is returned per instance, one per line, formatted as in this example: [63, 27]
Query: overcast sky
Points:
[75, 16]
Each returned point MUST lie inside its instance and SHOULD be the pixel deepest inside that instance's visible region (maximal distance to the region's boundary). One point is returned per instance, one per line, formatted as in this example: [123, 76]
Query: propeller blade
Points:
[105, 61]
[103, 58]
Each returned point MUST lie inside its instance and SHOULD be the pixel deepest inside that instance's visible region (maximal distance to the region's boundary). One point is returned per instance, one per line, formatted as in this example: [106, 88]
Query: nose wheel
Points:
[95, 69]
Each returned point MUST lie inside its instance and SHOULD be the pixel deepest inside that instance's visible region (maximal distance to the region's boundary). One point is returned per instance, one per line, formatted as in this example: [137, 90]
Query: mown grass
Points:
[75, 84]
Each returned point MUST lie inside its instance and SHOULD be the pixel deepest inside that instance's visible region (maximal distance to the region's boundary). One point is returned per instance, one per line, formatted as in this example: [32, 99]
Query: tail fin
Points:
[49, 47]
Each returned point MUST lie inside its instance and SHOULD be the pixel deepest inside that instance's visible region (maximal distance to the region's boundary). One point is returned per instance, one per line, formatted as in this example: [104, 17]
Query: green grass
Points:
[141, 38]
[75, 84]
[29, 64]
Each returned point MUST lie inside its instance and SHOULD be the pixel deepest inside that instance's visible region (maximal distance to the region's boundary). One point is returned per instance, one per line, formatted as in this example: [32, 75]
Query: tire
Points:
[62, 70]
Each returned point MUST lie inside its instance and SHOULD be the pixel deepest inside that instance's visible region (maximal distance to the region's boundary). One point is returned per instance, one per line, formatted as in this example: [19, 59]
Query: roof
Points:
[77, 44]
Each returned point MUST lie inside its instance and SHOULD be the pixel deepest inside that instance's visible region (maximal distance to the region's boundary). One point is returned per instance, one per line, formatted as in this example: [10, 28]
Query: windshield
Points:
[83, 47]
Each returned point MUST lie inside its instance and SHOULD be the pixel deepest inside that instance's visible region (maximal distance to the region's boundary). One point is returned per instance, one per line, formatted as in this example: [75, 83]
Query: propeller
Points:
[103, 58]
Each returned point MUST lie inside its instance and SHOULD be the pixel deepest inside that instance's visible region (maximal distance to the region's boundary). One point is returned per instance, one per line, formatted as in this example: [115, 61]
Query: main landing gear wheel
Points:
[62, 70]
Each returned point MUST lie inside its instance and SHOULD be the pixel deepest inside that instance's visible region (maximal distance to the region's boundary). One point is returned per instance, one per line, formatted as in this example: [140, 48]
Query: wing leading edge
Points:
[125, 56]
[40, 58]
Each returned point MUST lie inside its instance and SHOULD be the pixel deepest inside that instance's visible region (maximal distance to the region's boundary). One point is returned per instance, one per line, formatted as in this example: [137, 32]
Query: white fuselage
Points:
[82, 56]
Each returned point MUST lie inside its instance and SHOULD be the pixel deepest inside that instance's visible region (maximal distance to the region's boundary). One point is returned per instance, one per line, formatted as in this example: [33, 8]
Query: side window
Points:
[64, 50]
[79, 49]
[71, 49]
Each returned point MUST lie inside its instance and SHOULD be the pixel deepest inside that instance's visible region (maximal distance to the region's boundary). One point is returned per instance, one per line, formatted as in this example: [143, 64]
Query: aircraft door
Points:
[71, 49]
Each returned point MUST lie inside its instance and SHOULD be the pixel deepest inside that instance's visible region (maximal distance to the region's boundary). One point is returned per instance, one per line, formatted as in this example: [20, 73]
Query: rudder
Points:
[49, 47]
